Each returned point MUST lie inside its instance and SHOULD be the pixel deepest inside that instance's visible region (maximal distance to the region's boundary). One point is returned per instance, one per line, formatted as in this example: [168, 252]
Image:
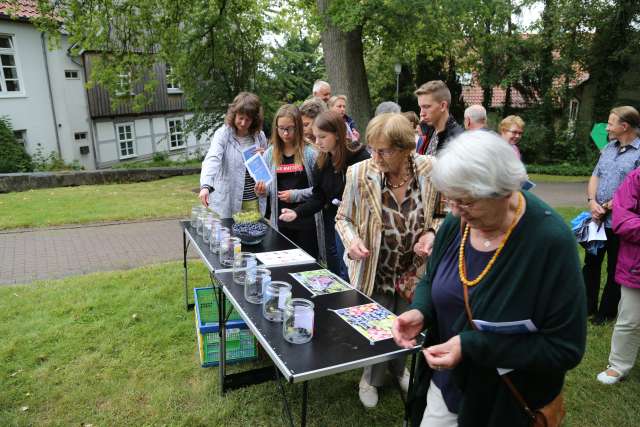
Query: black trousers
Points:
[591, 272]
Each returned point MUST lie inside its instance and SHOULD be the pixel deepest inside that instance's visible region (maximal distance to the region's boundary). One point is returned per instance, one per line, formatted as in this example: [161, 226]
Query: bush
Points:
[13, 157]
[567, 169]
[52, 161]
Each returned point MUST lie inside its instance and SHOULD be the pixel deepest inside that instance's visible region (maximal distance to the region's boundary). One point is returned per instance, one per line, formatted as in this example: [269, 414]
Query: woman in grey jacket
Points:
[225, 184]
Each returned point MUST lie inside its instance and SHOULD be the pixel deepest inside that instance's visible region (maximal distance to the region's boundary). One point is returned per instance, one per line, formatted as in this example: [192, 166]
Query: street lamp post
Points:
[398, 69]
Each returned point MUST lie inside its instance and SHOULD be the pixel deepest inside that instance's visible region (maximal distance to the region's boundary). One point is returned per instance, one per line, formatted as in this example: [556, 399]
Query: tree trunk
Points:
[344, 60]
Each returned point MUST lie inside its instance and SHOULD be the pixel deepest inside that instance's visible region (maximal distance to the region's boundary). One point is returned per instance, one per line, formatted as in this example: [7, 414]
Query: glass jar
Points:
[229, 247]
[202, 218]
[275, 297]
[244, 267]
[217, 236]
[195, 211]
[297, 324]
[208, 226]
[255, 285]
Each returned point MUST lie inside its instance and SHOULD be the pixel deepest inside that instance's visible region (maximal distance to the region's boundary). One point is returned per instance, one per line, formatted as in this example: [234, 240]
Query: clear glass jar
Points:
[244, 267]
[297, 324]
[274, 300]
[195, 211]
[229, 247]
[254, 285]
[208, 225]
[217, 236]
[202, 218]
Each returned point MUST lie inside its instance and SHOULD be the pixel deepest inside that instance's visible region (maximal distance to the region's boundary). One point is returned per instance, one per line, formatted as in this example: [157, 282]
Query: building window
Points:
[71, 74]
[574, 106]
[126, 140]
[125, 87]
[176, 133]
[172, 85]
[80, 136]
[21, 136]
[10, 83]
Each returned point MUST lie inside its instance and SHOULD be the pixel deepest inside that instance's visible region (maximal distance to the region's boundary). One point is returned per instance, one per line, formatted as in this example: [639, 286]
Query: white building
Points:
[43, 94]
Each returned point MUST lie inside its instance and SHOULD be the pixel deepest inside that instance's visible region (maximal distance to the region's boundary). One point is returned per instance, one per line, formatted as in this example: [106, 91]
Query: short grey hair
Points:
[476, 113]
[319, 84]
[387, 107]
[478, 164]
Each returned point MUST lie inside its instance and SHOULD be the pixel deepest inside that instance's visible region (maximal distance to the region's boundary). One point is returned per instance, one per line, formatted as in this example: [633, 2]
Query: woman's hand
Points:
[597, 211]
[424, 246]
[288, 215]
[204, 197]
[260, 150]
[358, 250]
[444, 356]
[356, 135]
[406, 328]
[285, 196]
[260, 189]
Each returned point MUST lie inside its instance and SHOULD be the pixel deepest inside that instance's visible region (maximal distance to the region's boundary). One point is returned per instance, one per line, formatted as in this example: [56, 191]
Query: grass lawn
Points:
[166, 198]
[73, 352]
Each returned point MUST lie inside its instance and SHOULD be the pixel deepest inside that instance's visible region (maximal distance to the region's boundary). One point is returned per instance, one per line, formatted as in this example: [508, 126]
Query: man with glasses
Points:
[438, 126]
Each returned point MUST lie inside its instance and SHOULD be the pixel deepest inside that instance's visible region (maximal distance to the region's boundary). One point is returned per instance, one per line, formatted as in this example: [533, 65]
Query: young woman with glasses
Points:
[291, 162]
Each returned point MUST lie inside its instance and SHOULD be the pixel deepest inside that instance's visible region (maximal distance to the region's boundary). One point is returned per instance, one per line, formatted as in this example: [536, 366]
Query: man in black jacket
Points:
[438, 126]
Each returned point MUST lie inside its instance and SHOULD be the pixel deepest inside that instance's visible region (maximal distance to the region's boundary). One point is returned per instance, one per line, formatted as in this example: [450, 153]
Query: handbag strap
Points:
[505, 379]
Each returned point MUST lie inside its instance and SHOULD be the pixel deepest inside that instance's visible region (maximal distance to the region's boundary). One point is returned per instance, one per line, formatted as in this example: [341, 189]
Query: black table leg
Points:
[222, 332]
[410, 391]
[185, 248]
[305, 393]
[284, 397]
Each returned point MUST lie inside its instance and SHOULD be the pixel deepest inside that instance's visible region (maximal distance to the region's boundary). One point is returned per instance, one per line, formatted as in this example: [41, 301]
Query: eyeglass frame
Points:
[515, 132]
[384, 152]
[288, 130]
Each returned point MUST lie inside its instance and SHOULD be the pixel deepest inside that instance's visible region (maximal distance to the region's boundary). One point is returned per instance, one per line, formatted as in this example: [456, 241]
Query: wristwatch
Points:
[589, 199]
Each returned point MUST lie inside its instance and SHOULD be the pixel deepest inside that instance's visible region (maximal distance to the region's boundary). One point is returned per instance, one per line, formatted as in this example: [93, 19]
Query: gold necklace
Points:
[461, 264]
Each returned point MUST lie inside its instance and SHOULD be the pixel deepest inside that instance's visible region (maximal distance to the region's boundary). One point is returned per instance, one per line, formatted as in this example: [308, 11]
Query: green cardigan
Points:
[537, 276]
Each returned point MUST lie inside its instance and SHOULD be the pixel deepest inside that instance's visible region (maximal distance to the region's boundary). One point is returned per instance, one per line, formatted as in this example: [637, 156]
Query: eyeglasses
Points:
[461, 204]
[515, 131]
[384, 152]
[288, 130]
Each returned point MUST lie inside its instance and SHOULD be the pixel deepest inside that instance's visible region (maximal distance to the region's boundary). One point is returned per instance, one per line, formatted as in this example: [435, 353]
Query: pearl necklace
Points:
[395, 186]
[462, 273]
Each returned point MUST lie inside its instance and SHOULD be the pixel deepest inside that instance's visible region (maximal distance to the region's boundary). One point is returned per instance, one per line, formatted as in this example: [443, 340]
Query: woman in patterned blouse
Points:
[386, 222]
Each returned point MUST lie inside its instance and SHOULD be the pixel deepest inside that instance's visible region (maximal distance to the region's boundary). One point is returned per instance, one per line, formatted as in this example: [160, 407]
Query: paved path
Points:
[28, 255]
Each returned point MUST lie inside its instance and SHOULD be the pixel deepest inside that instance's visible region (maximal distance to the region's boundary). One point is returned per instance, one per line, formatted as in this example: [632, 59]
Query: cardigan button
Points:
[547, 212]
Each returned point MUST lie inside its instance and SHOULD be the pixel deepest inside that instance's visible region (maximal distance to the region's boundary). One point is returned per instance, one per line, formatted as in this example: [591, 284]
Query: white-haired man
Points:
[475, 117]
[322, 90]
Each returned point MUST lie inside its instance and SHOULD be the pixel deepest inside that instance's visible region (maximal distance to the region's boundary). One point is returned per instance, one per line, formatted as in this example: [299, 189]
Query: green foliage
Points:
[13, 157]
[566, 169]
[52, 161]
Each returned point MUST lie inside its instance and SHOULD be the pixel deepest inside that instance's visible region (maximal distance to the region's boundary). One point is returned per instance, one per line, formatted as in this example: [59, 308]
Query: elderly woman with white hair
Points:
[501, 255]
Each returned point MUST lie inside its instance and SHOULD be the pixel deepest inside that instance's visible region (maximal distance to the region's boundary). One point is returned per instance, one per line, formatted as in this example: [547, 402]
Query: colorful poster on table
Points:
[372, 320]
[321, 282]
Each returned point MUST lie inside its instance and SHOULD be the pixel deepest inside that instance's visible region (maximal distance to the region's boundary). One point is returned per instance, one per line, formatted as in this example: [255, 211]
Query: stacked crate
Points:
[240, 343]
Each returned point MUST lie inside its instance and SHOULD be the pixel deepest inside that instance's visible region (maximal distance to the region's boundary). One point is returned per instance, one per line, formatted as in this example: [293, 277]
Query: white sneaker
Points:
[403, 380]
[607, 379]
[368, 394]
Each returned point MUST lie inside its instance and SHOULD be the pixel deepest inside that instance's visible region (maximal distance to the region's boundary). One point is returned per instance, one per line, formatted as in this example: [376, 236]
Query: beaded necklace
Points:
[461, 264]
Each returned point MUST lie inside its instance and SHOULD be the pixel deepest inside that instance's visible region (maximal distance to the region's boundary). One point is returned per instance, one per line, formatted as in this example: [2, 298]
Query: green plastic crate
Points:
[207, 309]
[241, 346]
